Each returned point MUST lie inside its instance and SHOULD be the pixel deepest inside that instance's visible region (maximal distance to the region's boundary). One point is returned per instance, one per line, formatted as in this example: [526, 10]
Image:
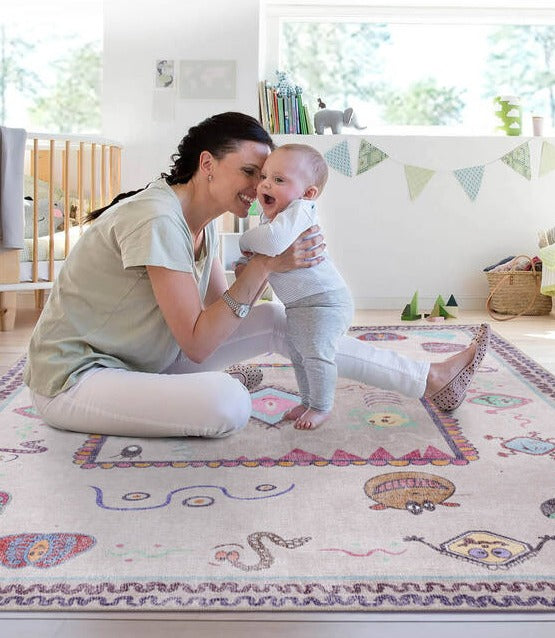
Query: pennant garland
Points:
[547, 161]
[338, 158]
[417, 178]
[519, 160]
[369, 156]
[470, 179]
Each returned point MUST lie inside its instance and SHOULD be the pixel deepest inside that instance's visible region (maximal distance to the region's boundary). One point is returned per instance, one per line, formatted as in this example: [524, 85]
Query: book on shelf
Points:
[283, 113]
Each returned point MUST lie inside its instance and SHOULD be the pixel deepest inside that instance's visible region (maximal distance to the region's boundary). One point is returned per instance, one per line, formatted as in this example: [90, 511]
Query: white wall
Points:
[136, 34]
[386, 245]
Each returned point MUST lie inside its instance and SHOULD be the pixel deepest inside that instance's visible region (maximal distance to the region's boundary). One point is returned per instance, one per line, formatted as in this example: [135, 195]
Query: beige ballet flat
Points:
[249, 375]
[452, 394]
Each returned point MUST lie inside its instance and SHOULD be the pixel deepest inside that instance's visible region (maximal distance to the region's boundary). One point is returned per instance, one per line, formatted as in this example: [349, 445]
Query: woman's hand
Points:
[305, 252]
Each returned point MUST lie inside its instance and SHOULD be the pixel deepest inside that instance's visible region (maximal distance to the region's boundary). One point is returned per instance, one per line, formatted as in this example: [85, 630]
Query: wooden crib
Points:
[65, 177]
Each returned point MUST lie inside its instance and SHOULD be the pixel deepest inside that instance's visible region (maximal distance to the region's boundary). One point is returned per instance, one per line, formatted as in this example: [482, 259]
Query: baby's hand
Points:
[238, 267]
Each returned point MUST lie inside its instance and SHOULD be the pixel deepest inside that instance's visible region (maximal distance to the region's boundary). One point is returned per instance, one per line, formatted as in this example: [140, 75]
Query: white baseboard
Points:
[425, 304]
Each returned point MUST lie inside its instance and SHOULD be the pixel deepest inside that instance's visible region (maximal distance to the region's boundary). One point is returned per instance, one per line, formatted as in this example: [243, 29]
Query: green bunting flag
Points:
[519, 160]
[417, 178]
[368, 156]
[470, 179]
[338, 158]
[547, 161]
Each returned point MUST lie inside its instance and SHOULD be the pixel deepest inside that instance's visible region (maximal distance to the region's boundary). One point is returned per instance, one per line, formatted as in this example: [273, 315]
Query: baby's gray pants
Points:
[314, 327]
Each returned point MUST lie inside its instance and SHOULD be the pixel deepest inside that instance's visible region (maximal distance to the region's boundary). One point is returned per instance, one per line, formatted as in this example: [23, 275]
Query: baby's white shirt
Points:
[272, 237]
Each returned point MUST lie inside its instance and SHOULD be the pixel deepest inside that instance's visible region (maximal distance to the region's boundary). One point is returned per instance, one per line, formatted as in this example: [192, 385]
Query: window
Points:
[424, 66]
[50, 65]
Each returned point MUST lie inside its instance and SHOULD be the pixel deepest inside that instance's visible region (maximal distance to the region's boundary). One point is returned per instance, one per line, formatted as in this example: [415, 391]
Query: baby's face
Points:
[284, 178]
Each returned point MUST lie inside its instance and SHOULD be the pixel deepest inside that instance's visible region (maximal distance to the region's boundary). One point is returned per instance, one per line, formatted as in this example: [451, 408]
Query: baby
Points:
[318, 305]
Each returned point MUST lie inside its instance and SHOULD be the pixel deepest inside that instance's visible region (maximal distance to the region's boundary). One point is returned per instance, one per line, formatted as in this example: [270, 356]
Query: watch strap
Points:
[240, 309]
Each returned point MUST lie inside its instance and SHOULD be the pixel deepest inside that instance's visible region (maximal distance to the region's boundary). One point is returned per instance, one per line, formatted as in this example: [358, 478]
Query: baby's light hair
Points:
[316, 163]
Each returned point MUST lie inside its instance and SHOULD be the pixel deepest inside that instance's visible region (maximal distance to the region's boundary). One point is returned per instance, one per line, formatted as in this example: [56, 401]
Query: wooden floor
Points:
[533, 335]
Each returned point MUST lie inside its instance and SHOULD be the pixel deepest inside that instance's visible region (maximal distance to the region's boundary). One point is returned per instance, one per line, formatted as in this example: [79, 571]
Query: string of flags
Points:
[470, 178]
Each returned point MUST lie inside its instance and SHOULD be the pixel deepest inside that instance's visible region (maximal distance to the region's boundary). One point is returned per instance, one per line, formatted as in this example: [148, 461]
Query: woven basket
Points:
[516, 292]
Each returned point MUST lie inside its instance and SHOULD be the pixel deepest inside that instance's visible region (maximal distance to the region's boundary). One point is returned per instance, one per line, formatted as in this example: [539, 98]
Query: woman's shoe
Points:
[250, 376]
[452, 394]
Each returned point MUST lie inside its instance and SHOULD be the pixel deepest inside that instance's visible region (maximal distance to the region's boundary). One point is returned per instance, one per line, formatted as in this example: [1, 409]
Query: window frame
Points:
[274, 12]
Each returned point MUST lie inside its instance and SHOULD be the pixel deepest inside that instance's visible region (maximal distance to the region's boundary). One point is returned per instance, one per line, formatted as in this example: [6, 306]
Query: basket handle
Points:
[499, 317]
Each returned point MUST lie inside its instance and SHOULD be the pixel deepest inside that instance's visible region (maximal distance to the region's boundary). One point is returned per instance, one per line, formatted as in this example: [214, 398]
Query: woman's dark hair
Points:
[219, 134]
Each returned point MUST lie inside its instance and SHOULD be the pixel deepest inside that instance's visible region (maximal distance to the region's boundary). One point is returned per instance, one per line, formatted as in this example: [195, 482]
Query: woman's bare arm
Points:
[217, 284]
[199, 330]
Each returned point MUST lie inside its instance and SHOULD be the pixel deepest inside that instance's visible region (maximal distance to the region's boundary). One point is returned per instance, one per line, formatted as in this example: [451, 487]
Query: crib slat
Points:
[51, 210]
[103, 175]
[115, 172]
[35, 266]
[66, 197]
[80, 180]
[93, 177]
[111, 193]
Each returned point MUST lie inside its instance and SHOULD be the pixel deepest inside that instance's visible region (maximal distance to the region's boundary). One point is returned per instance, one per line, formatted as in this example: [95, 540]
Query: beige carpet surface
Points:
[391, 505]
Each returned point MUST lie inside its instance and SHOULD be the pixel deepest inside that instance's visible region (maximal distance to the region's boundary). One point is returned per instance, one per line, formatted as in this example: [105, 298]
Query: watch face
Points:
[242, 311]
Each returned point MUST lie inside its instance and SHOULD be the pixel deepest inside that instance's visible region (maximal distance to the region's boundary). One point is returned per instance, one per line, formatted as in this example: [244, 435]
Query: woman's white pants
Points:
[191, 399]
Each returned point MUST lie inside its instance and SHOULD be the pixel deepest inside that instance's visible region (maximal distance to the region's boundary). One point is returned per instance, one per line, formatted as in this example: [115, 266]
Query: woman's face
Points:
[236, 176]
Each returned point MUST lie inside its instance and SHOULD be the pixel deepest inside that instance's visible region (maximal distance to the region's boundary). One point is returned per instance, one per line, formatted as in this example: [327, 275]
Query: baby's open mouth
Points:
[269, 200]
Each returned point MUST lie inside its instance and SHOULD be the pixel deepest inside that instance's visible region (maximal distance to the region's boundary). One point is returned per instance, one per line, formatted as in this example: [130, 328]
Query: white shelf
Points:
[229, 254]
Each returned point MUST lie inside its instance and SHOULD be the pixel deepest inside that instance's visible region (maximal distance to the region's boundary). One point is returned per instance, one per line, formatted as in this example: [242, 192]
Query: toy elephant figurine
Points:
[336, 120]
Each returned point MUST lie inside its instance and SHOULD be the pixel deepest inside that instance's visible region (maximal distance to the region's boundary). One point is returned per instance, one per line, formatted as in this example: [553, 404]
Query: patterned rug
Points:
[390, 506]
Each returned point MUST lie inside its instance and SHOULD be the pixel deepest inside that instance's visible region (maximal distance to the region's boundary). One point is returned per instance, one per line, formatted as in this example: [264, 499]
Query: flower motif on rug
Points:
[270, 404]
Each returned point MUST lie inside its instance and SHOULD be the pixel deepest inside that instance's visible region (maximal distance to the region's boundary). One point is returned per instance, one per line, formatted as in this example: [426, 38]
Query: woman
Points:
[139, 323]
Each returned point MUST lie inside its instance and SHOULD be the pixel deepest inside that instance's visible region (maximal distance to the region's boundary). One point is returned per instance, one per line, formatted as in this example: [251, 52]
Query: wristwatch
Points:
[240, 309]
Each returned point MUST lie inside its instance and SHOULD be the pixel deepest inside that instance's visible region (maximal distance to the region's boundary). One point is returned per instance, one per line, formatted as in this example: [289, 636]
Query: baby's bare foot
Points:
[311, 419]
[294, 413]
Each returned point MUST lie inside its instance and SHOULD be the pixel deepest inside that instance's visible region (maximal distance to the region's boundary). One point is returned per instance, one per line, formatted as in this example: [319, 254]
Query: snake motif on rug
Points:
[255, 542]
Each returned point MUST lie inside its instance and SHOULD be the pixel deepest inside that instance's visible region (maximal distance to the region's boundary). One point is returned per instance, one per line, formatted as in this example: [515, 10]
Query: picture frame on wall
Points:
[207, 79]
[164, 77]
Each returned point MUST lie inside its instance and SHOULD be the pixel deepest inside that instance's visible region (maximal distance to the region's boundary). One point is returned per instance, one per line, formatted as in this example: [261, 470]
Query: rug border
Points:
[433, 595]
